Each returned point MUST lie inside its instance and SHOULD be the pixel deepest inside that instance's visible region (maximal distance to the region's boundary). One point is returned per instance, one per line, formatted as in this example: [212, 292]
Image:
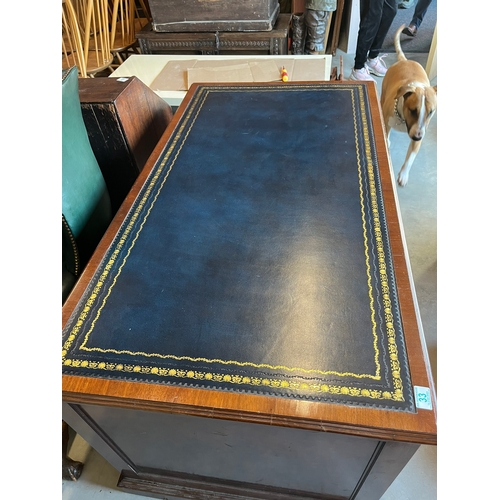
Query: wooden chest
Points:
[125, 119]
[213, 15]
[274, 42]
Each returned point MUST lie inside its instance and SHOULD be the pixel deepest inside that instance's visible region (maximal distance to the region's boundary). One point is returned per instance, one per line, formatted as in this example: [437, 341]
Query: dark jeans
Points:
[420, 10]
[376, 19]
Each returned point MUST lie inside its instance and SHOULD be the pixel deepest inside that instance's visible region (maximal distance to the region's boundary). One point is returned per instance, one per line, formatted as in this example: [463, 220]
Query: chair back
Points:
[86, 36]
[86, 206]
[72, 43]
[127, 18]
[122, 24]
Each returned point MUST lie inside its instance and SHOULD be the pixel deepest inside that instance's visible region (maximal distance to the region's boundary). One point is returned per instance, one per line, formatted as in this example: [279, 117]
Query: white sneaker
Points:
[361, 74]
[377, 66]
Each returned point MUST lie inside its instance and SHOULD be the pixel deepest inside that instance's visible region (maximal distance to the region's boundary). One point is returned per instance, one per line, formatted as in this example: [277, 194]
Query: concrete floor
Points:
[418, 204]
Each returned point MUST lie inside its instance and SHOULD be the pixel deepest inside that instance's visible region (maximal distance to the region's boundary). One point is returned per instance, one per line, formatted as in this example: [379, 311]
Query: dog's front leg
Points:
[410, 158]
[387, 137]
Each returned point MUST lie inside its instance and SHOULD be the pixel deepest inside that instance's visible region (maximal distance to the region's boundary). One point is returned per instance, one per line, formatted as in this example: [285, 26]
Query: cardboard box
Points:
[169, 76]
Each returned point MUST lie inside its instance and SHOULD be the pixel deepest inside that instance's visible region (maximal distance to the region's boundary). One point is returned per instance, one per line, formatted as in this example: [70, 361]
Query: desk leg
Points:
[388, 461]
[71, 469]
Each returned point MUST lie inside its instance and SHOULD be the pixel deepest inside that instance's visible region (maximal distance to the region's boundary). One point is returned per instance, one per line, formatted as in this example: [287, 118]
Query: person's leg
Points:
[389, 11]
[419, 13]
[374, 62]
[371, 15]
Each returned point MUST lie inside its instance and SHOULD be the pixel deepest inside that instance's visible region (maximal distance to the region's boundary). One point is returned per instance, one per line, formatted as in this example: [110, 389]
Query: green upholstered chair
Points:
[86, 210]
[86, 207]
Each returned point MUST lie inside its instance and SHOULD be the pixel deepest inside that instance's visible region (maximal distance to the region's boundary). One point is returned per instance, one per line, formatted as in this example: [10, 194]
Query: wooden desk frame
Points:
[90, 404]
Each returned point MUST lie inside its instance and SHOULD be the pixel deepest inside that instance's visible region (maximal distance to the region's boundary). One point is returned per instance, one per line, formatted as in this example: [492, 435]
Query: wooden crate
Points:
[213, 15]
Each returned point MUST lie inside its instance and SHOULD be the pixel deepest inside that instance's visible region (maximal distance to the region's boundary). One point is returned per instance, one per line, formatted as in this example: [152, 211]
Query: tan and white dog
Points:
[408, 103]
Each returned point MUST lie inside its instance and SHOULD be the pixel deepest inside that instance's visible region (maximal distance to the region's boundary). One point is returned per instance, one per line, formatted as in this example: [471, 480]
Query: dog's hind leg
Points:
[410, 158]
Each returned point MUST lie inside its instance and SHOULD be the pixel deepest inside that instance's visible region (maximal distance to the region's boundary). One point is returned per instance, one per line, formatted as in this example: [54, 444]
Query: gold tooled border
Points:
[183, 133]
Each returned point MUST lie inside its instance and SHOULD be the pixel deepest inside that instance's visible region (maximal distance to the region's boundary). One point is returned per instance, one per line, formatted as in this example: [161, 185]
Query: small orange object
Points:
[284, 74]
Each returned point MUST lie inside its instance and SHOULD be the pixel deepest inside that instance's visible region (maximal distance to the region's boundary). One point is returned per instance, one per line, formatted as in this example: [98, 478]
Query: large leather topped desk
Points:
[252, 300]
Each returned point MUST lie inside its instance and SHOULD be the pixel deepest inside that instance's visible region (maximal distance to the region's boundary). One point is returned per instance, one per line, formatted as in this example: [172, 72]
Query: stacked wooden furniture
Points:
[99, 34]
[127, 18]
[215, 27]
[213, 15]
[85, 36]
[273, 42]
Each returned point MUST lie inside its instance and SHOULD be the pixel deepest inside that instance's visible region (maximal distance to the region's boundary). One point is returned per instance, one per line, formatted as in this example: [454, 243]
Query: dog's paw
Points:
[403, 178]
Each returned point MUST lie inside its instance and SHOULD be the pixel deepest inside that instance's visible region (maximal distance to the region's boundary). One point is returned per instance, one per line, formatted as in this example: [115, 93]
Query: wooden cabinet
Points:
[125, 120]
[165, 455]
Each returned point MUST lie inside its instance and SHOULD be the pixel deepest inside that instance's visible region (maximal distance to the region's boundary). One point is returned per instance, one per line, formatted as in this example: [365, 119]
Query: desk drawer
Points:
[180, 455]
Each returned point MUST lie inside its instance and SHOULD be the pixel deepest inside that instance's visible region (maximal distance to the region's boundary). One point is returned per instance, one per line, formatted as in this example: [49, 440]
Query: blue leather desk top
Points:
[256, 257]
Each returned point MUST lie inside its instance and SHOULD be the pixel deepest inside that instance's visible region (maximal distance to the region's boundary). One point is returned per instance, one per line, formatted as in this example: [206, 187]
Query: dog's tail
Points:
[397, 44]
